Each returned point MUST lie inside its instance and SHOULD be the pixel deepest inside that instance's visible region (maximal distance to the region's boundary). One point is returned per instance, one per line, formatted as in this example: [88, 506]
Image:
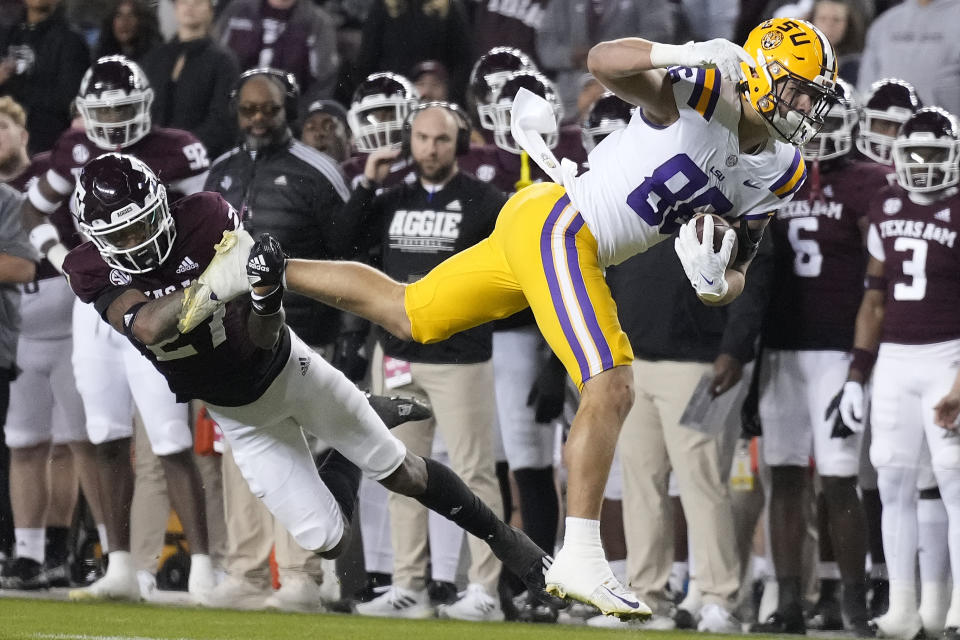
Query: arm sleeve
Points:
[746, 313]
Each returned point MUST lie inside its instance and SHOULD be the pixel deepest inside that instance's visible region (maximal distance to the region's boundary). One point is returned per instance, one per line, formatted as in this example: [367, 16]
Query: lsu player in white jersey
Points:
[718, 129]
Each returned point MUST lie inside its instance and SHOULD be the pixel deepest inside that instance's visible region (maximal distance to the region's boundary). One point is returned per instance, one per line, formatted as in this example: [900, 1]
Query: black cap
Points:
[330, 107]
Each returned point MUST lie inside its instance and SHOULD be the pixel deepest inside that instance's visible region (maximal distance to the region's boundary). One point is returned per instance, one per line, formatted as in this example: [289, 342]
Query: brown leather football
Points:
[720, 227]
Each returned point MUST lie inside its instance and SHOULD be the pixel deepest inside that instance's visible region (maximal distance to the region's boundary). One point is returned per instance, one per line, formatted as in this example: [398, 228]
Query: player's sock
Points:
[539, 505]
[30, 542]
[57, 548]
[342, 478]
[447, 494]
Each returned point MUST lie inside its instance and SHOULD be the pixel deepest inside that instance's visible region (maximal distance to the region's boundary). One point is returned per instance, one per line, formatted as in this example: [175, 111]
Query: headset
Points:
[287, 82]
[463, 126]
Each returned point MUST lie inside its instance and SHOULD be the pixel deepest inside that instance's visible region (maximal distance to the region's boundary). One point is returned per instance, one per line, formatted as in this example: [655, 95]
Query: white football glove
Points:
[705, 268]
[846, 410]
[718, 53]
[224, 279]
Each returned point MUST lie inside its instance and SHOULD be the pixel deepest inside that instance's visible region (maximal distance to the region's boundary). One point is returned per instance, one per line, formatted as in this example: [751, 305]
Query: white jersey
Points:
[646, 180]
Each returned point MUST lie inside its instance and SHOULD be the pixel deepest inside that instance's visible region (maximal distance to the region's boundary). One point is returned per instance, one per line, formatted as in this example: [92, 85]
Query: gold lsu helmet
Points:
[794, 59]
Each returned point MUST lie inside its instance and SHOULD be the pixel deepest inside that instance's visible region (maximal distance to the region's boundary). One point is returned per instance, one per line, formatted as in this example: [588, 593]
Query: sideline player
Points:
[702, 140]
[260, 382]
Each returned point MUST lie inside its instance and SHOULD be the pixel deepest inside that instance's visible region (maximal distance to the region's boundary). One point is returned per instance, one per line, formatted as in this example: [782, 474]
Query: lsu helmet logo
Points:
[771, 40]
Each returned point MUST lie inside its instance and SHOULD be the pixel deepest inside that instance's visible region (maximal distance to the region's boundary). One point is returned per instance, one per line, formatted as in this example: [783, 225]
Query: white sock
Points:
[119, 562]
[31, 543]
[828, 571]
[903, 599]
[953, 615]
[581, 532]
[102, 534]
[619, 568]
[934, 600]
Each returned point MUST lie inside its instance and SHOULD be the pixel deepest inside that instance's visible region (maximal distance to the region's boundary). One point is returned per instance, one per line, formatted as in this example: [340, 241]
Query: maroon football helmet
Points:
[380, 105]
[122, 208]
[607, 114]
[114, 100]
[488, 75]
[888, 105]
[925, 151]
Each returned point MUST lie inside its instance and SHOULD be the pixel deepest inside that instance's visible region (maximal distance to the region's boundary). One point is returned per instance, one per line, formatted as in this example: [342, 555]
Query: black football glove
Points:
[266, 262]
[548, 392]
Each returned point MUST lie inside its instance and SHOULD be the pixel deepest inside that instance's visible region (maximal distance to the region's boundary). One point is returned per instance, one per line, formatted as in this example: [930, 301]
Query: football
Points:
[720, 227]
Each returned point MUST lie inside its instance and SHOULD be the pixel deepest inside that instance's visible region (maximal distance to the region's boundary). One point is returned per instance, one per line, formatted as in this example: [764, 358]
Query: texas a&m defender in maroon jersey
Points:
[262, 384]
[909, 326]
[818, 264]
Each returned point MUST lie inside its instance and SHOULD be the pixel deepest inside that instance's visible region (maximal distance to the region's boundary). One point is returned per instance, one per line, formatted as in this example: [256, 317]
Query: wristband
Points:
[863, 361]
[663, 56]
[39, 201]
[129, 317]
[875, 282]
[43, 234]
[269, 304]
[56, 255]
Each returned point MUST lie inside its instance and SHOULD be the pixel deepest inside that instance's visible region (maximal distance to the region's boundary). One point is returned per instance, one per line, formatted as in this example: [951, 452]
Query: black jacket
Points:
[664, 320]
[52, 59]
[415, 231]
[199, 101]
[295, 193]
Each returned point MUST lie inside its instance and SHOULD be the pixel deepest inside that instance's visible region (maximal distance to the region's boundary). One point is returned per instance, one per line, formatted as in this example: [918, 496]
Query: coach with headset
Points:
[416, 226]
[281, 186]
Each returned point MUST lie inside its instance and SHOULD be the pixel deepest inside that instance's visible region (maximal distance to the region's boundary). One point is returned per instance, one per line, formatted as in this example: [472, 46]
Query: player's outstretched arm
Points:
[147, 321]
[633, 69]
[265, 274]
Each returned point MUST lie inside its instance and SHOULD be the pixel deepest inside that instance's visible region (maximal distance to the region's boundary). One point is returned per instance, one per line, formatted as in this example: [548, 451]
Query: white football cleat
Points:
[475, 604]
[118, 583]
[716, 619]
[397, 602]
[202, 578]
[235, 593]
[298, 593]
[590, 580]
[903, 627]
[224, 279]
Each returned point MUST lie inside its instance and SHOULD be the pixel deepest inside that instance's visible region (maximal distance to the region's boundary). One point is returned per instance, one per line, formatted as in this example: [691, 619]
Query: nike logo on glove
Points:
[632, 605]
[707, 280]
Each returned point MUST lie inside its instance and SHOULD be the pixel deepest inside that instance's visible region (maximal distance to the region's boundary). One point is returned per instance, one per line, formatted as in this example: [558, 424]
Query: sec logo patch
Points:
[80, 153]
[892, 206]
[486, 172]
[119, 278]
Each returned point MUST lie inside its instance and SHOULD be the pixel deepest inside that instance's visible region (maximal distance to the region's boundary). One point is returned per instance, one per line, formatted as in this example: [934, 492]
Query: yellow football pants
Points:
[541, 255]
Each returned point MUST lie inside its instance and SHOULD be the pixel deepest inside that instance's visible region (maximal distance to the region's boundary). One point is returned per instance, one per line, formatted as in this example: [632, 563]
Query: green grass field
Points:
[29, 619]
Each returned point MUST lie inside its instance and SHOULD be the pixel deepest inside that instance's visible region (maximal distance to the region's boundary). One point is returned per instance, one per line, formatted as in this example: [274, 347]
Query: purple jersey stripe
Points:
[547, 259]
[697, 88]
[794, 188]
[785, 178]
[583, 298]
[714, 97]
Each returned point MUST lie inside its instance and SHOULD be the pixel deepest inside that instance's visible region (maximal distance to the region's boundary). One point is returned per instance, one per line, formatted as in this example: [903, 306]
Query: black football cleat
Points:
[530, 609]
[58, 575]
[780, 622]
[23, 574]
[395, 411]
[879, 597]
[826, 616]
[950, 633]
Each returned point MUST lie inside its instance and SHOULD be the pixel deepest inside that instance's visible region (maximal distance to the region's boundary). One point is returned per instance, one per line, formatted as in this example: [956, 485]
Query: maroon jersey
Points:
[920, 251]
[61, 218]
[216, 362]
[177, 158]
[820, 259]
